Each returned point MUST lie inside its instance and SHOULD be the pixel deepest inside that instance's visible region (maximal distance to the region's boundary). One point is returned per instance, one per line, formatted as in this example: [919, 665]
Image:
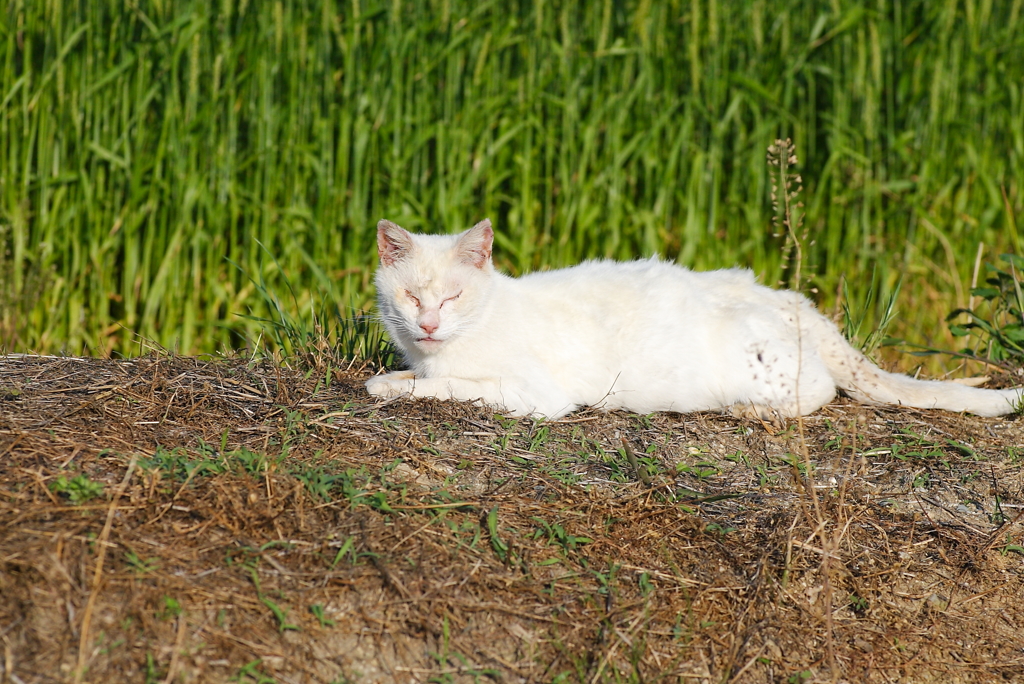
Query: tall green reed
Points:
[146, 147]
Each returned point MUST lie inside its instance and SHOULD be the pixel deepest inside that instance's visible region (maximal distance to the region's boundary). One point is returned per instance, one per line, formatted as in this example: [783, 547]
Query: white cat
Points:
[642, 336]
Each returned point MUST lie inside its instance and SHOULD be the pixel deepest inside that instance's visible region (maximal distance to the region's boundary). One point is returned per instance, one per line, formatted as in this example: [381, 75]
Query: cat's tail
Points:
[865, 382]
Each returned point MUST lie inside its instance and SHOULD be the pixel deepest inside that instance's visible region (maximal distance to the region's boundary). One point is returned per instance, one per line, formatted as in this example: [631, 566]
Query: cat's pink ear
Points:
[393, 242]
[475, 244]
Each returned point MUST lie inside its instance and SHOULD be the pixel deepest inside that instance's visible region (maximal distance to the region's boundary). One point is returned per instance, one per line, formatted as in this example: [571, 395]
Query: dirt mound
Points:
[172, 519]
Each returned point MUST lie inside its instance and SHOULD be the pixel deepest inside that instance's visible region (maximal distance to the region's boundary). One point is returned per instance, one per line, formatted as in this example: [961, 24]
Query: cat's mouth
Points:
[428, 342]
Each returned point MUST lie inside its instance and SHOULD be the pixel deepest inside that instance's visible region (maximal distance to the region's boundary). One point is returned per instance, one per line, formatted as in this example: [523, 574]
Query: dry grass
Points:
[259, 524]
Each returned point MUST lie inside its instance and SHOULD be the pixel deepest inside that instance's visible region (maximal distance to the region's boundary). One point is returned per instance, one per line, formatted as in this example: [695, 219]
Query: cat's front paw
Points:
[391, 385]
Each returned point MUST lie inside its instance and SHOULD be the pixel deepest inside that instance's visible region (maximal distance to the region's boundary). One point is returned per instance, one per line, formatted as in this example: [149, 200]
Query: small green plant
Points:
[140, 566]
[858, 604]
[171, 608]
[111, 647]
[853, 319]
[721, 530]
[912, 446]
[556, 534]
[319, 482]
[701, 470]
[500, 548]
[797, 464]
[182, 466]
[344, 679]
[252, 462]
[501, 446]
[252, 673]
[447, 658]
[318, 612]
[764, 477]
[353, 484]
[77, 489]
[646, 586]
[539, 437]
[644, 466]
[564, 471]
[1011, 548]
[998, 336]
[153, 673]
[280, 614]
[348, 547]
[360, 336]
[739, 458]
[469, 529]
[605, 580]
[505, 422]
[330, 338]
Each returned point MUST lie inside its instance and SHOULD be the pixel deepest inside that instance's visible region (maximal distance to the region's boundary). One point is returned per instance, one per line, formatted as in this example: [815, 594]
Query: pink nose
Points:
[428, 328]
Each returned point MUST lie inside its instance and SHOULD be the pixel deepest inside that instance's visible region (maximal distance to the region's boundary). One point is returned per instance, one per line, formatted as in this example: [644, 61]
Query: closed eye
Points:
[451, 299]
[415, 300]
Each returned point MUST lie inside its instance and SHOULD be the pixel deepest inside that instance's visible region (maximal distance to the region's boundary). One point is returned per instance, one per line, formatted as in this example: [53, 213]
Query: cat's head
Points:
[430, 286]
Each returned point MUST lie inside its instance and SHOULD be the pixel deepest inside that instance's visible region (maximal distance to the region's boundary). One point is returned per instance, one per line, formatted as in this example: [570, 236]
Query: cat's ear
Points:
[475, 244]
[393, 242]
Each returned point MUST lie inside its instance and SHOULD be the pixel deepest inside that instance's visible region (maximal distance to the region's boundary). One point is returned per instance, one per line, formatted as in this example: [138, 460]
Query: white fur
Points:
[642, 336]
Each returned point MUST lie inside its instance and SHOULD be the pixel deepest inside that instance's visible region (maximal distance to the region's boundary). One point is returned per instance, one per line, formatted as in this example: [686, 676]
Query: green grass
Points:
[160, 162]
[78, 489]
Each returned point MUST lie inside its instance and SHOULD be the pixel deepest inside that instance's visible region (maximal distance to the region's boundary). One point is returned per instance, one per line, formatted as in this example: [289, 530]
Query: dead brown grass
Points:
[262, 524]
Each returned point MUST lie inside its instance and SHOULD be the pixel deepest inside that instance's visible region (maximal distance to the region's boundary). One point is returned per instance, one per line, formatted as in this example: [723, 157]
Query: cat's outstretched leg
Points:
[502, 394]
[388, 378]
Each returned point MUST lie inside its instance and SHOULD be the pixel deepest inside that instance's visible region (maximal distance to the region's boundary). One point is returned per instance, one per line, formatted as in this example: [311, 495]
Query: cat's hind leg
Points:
[785, 381]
